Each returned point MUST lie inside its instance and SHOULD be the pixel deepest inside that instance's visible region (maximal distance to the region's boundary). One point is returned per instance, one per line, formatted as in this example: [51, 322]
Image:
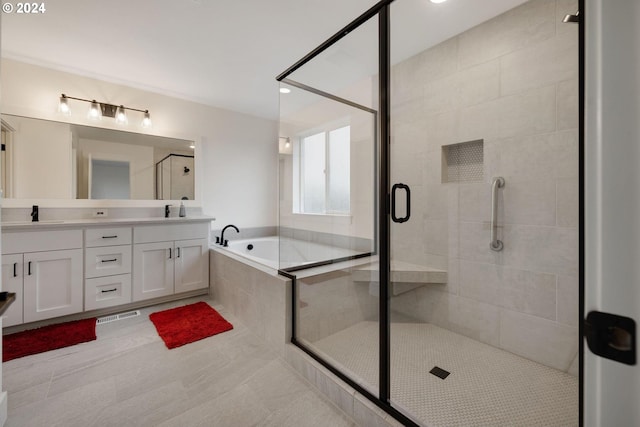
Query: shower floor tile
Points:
[486, 386]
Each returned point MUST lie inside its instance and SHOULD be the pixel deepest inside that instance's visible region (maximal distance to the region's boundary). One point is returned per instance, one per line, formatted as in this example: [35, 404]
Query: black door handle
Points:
[29, 268]
[15, 269]
[393, 203]
[611, 336]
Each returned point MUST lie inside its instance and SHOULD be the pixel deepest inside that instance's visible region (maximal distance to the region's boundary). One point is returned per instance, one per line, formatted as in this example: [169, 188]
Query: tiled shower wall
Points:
[513, 83]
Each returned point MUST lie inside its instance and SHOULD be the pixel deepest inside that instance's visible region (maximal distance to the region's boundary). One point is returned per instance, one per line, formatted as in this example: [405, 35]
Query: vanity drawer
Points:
[40, 241]
[168, 232]
[107, 261]
[95, 237]
[103, 292]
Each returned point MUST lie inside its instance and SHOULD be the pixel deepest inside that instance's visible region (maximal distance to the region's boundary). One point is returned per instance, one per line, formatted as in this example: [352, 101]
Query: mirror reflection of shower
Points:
[174, 177]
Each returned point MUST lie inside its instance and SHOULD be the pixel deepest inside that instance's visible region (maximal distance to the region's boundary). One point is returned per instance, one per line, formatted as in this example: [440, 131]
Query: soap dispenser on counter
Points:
[182, 212]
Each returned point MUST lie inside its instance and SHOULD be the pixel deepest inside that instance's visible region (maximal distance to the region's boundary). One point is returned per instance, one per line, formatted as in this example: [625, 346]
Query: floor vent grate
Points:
[119, 316]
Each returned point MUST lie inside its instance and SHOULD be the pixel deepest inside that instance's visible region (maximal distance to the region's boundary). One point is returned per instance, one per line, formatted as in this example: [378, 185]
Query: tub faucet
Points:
[167, 211]
[221, 240]
[34, 214]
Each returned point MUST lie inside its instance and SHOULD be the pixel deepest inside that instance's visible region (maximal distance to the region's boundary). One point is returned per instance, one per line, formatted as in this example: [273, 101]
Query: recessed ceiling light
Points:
[284, 90]
[438, 1]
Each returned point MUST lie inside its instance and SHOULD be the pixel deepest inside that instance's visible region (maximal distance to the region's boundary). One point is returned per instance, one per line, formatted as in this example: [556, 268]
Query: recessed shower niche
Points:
[463, 162]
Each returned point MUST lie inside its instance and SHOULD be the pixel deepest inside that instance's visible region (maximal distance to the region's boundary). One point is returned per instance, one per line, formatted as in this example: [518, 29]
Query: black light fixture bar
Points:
[104, 103]
[105, 109]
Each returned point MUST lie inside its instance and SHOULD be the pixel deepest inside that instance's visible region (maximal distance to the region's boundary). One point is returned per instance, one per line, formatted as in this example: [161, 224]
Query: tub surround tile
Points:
[245, 233]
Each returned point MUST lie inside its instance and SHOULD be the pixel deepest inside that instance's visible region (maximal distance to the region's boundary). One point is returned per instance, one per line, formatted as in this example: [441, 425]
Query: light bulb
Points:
[63, 107]
[146, 121]
[121, 116]
[94, 110]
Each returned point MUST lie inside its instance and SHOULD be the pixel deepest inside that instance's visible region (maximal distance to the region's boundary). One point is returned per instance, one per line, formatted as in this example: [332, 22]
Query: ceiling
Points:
[220, 53]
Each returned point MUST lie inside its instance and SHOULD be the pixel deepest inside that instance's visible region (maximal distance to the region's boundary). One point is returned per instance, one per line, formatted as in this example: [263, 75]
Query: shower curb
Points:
[352, 403]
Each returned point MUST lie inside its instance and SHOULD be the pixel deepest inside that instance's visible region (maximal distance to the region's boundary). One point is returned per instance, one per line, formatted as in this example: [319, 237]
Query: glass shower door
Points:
[328, 203]
[483, 290]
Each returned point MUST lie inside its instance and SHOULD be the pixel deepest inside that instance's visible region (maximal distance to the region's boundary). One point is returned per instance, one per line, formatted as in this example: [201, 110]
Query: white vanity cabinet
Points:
[170, 259]
[51, 273]
[107, 257]
[12, 282]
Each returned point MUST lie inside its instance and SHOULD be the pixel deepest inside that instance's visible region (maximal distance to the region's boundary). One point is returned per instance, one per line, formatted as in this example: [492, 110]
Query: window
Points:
[324, 172]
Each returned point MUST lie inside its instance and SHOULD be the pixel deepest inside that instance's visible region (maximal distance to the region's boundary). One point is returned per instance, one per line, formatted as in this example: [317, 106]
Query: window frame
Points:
[298, 187]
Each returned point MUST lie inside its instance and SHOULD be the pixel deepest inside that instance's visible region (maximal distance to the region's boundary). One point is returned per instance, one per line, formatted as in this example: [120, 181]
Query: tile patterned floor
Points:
[487, 386]
[127, 377]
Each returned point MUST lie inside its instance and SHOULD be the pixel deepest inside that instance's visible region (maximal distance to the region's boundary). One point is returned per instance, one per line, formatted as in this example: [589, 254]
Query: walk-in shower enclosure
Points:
[439, 145]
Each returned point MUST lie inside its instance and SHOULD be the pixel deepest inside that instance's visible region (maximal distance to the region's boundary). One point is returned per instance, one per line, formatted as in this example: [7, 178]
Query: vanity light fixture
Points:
[146, 121]
[438, 1]
[285, 90]
[287, 141]
[94, 111]
[64, 105]
[121, 116]
[98, 110]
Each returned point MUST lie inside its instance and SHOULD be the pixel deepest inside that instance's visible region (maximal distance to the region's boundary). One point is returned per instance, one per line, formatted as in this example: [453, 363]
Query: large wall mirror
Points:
[43, 159]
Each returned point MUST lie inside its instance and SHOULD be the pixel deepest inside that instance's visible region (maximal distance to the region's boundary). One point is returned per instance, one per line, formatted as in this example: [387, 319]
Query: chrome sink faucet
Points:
[220, 240]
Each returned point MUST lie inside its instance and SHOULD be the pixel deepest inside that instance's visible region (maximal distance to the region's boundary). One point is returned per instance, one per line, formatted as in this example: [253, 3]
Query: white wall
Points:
[236, 154]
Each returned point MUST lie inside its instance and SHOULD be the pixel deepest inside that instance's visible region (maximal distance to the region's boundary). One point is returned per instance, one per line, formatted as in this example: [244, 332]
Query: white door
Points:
[12, 282]
[192, 265]
[52, 284]
[152, 270]
[612, 203]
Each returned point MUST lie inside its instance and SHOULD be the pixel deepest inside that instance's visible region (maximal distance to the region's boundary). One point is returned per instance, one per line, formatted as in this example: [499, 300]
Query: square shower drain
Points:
[119, 316]
[439, 372]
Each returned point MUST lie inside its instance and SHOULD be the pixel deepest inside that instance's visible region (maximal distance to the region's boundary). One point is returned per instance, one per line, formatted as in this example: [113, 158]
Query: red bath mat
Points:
[47, 338]
[183, 325]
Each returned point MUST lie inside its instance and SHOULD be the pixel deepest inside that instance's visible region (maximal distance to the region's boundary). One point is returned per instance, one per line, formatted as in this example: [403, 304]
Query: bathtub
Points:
[283, 252]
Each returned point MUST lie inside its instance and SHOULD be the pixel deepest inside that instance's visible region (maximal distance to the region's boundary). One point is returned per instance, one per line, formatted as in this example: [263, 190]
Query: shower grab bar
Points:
[495, 244]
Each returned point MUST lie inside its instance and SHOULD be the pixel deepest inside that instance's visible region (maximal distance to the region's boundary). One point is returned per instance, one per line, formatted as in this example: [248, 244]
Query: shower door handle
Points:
[495, 244]
[393, 203]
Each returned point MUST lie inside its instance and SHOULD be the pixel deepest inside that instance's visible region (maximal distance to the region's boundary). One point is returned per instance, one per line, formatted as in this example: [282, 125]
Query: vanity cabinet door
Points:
[192, 265]
[12, 282]
[52, 284]
[153, 268]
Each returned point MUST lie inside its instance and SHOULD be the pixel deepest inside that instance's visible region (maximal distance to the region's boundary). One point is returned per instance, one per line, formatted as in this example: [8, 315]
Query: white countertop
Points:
[52, 224]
